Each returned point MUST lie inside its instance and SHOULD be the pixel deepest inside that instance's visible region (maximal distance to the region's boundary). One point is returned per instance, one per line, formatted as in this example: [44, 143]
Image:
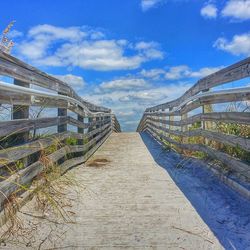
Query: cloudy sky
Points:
[131, 54]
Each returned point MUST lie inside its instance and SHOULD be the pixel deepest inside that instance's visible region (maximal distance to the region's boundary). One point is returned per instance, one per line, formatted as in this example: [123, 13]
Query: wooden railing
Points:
[173, 123]
[21, 144]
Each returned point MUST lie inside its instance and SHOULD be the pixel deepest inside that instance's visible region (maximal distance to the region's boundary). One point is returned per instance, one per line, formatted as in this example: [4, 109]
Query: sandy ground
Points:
[129, 201]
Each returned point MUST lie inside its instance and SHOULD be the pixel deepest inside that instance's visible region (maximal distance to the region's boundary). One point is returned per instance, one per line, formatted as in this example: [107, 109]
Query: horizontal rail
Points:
[68, 149]
[16, 153]
[25, 176]
[13, 67]
[231, 140]
[227, 117]
[23, 125]
[233, 163]
[236, 94]
[22, 149]
[204, 128]
[234, 72]
[37, 93]
[79, 124]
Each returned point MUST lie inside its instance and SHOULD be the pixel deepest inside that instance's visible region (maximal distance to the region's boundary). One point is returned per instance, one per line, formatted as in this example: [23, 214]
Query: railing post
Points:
[207, 125]
[144, 124]
[98, 120]
[157, 123]
[184, 128]
[90, 120]
[171, 119]
[21, 112]
[102, 121]
[112, 122]
[162, 125]
[155, 120]
[80, 130]
[61, 112]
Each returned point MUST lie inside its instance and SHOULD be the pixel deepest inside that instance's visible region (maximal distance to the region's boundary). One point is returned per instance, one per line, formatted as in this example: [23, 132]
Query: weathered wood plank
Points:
[231, 140]
[19, 180]
[13, 154]
[78, 124]
[227, 117]
[233, 163]
[205, 100]
[68, 149]
[23, 125]
[25, 176]
[214, 100]
[62, 112]
[13, 67]
[234, 72]
[13, 97]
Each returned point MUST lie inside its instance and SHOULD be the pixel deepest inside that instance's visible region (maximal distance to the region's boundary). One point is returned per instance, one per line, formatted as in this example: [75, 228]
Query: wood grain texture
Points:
[205, 100]
[234, 72]
[101, 125]
[13, 97]
[227, 117]
[13, 154]
[233, 163]
[15, 68]
[25, 176]
[23, 125]
[231, 140]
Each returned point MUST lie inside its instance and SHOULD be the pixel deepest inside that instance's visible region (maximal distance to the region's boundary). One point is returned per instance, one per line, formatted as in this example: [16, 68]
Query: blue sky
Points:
[128, 55]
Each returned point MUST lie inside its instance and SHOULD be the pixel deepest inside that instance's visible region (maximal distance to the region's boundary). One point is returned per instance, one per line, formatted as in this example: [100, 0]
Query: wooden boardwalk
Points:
[129, 202]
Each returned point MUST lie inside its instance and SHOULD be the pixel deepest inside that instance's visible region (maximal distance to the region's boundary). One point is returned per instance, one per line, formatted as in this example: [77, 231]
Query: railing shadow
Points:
[225, 212]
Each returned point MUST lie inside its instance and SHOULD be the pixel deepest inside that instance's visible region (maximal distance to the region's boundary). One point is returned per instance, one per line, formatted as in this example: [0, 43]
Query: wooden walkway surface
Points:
[129, 202]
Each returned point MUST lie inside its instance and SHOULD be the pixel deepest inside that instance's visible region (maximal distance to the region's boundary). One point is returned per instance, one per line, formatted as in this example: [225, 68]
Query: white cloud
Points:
[124, 84]
[239, 45]
[129, 102]
[149, 49]
[134, 98]
[205, 72]
[51, 32]
[152, 73]
[209, 11]
[131, 122]
[178, 72]
[47, 45]
[237, 9]
[184, 72]
[148, 4]
[99, 55]
[146, 97]
[76, 82]
[125, 113]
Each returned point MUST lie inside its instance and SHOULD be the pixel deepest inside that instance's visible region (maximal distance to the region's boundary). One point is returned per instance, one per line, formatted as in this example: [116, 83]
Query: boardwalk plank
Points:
[130, 203]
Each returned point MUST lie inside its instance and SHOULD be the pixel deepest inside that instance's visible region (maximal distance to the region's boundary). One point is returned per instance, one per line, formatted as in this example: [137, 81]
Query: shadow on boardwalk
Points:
[222, 209]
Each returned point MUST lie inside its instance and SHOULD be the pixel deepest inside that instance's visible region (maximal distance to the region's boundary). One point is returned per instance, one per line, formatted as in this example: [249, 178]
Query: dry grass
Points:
[51, 203]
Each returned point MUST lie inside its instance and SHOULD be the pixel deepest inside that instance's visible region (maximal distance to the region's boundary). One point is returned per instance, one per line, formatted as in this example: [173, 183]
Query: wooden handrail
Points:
[18, 136]
[234, 72]
[174, 123]
[17, 69]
